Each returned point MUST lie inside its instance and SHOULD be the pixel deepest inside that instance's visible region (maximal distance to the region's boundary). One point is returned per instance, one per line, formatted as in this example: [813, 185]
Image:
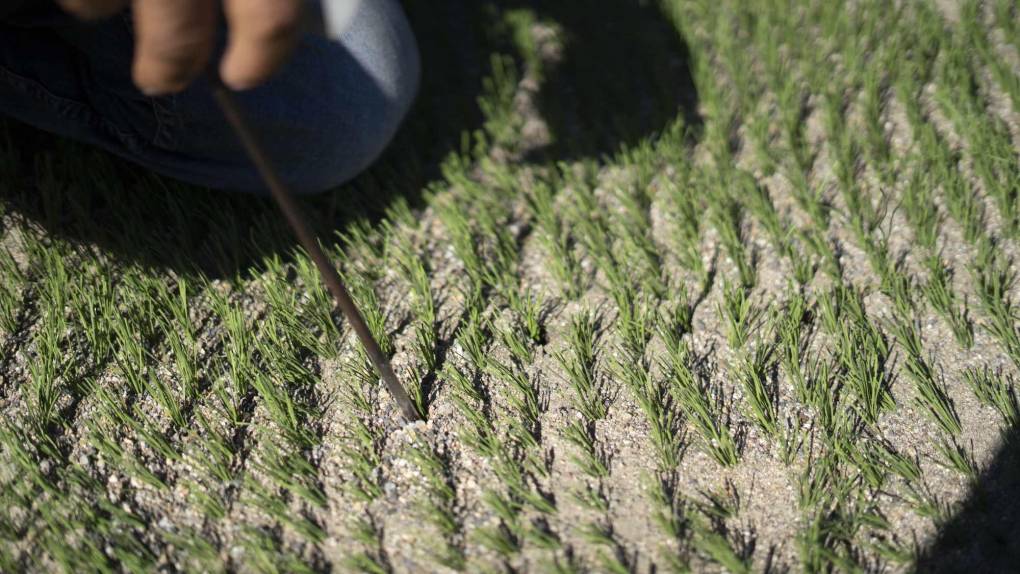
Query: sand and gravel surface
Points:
[173, 396]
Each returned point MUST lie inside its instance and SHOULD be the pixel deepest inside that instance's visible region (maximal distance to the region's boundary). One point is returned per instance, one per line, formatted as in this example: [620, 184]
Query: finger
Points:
[262, 36]
[93, 9]
[175, 39]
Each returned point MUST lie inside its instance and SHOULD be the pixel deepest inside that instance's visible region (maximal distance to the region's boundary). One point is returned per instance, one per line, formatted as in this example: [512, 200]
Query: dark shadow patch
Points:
[984, 534]
[620, 72]
[623, 75]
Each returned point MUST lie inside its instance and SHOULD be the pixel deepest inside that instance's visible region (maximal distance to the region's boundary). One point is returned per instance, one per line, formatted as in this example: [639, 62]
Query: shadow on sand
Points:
[984, 534]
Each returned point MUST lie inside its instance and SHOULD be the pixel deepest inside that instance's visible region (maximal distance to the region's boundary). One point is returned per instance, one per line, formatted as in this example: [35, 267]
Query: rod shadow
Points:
[621, 76]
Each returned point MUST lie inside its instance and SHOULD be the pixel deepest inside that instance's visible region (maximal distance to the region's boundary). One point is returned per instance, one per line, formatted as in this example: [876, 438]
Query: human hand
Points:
[174, 39]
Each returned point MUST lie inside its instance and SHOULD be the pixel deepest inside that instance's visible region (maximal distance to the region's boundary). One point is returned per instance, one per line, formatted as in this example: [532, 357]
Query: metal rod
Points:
[299, 224]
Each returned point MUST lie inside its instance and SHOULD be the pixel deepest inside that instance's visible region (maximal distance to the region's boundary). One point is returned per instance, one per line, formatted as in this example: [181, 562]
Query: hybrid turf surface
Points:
[678, 285]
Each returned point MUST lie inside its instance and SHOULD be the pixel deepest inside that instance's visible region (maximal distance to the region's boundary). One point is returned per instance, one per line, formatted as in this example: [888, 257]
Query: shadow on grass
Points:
[984, 534]
[620, 76]
[615, 73]
[623, 75]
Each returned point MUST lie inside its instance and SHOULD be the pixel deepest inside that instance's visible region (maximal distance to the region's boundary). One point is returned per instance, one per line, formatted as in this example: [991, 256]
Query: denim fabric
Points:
[323, 119]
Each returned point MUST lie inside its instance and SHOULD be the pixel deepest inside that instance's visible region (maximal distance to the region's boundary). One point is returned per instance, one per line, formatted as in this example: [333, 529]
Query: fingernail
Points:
[163, 89]
[240, 85]
[234, 81]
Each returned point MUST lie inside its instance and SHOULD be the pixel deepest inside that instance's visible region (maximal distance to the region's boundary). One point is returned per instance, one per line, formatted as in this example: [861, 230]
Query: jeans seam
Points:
[163, 108]
[71, 109]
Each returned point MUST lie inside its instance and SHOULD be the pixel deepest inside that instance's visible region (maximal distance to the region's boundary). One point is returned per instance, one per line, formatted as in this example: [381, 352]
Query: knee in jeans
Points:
[350, 135]
[347, 145]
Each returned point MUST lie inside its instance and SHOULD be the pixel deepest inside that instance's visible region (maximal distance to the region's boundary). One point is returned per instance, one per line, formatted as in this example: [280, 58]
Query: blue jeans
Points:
[323, 119]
